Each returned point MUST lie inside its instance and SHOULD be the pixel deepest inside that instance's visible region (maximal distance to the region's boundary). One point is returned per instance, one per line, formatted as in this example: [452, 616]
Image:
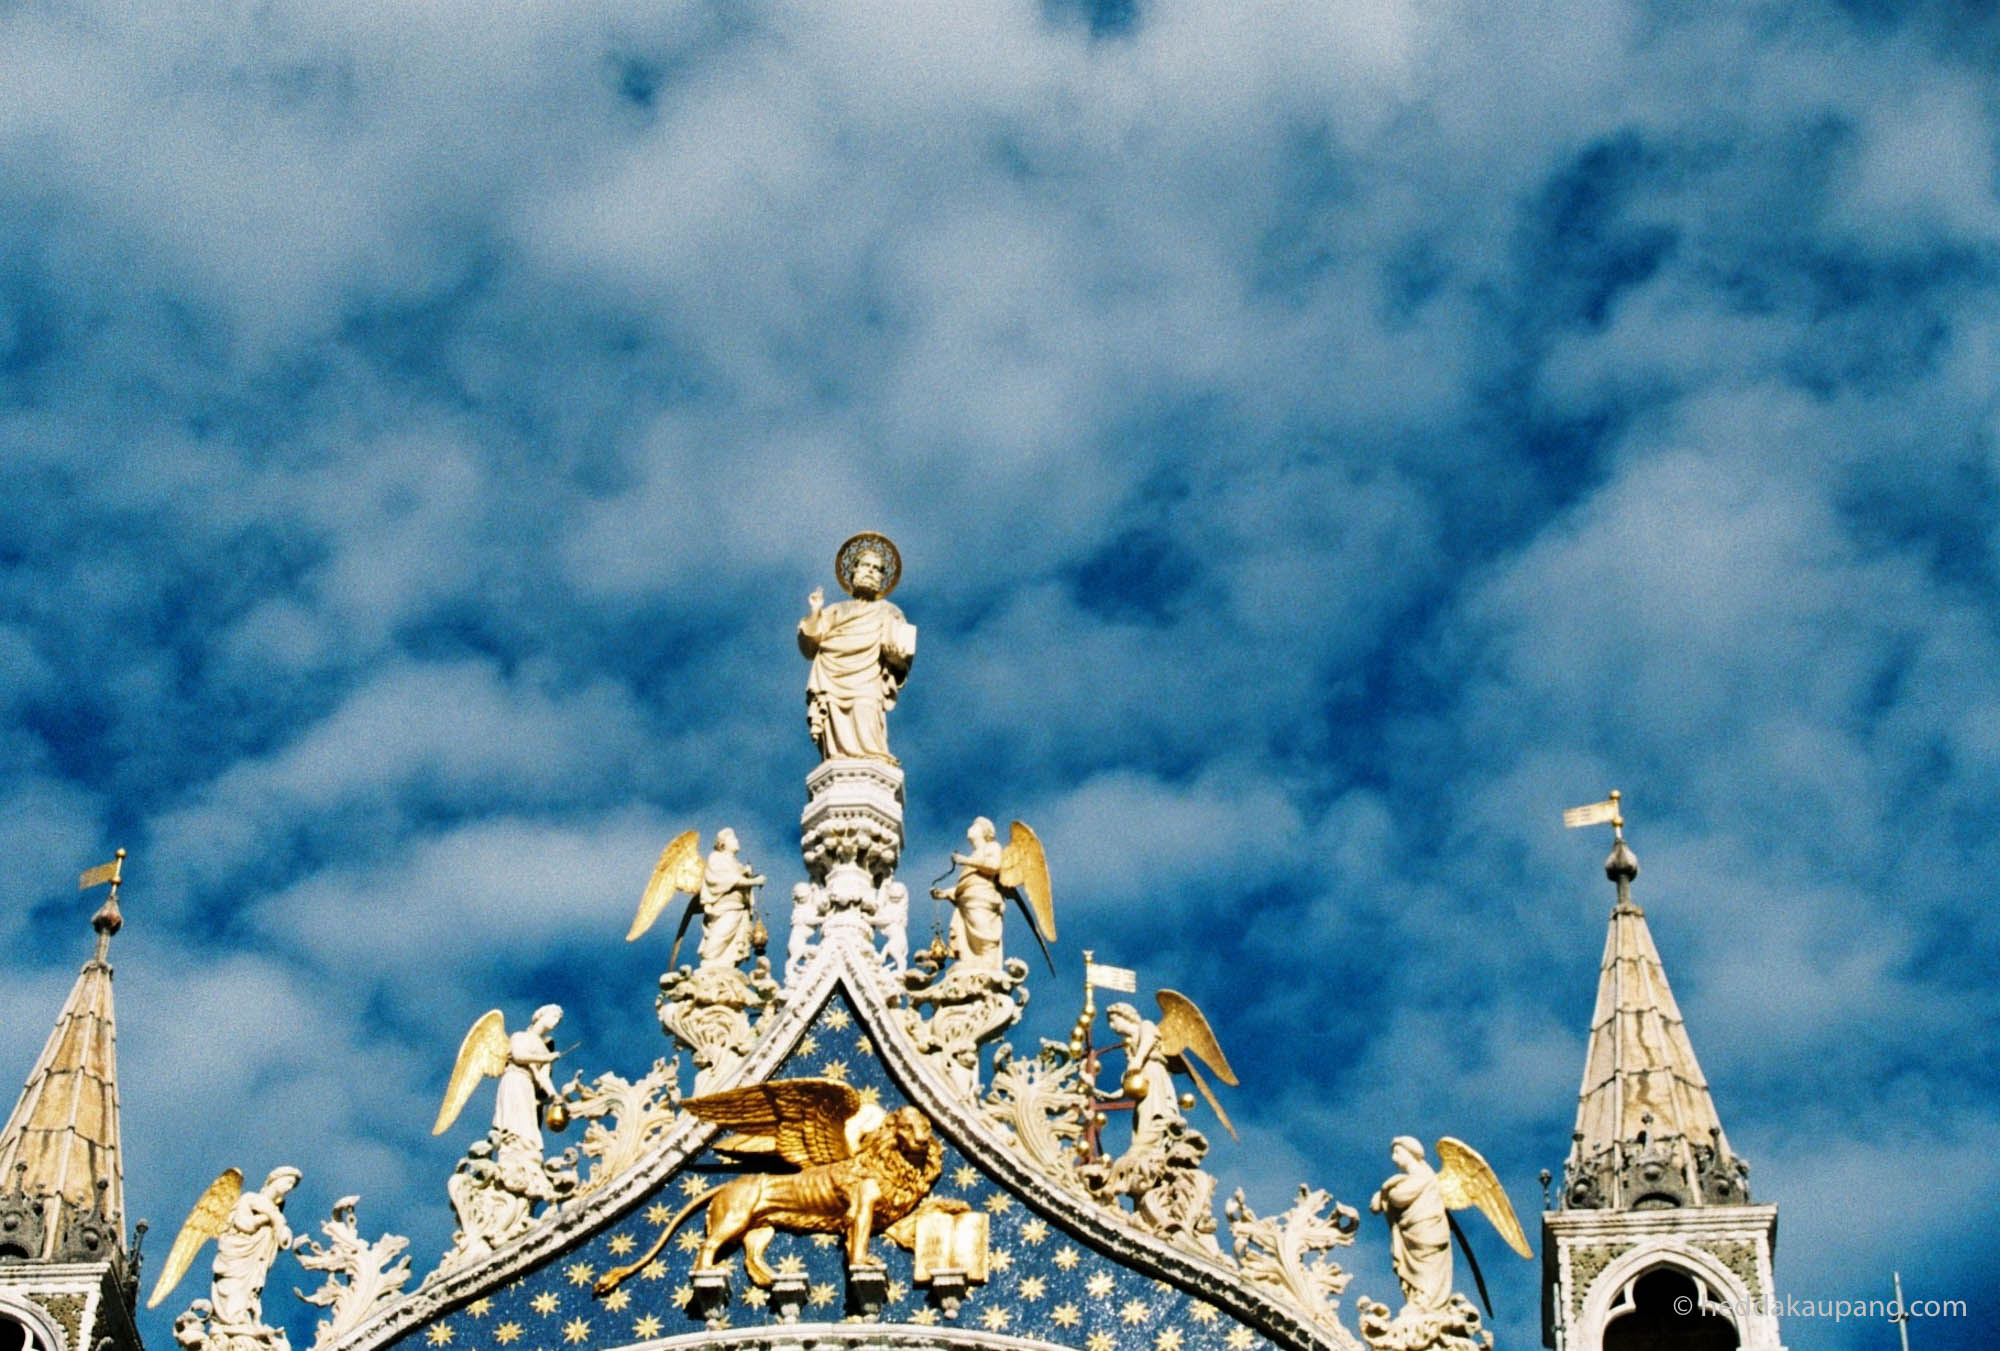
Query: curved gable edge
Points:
[853, 968]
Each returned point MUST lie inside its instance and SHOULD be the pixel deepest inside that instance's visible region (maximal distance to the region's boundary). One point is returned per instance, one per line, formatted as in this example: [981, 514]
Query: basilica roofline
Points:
[841, 964]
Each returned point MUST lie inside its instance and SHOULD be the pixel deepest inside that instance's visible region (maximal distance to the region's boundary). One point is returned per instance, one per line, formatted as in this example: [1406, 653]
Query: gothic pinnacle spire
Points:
[1647, 1134]
[62, 1189]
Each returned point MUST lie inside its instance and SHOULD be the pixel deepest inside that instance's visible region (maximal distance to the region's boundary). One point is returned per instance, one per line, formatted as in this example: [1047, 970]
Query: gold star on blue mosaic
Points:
[1035, 1286]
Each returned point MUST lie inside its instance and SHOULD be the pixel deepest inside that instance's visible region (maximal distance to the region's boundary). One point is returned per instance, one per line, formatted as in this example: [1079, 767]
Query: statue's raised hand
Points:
[816, 600]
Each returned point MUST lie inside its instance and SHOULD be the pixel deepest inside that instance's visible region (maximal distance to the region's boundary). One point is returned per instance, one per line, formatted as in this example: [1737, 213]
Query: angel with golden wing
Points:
[988, 875]
[520, 1061]
[724, 889]
[1155, 1052]
[249, 1230]
[1417, 1202]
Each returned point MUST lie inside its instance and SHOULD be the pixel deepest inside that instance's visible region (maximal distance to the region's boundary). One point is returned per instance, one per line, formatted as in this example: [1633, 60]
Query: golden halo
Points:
[868, 542]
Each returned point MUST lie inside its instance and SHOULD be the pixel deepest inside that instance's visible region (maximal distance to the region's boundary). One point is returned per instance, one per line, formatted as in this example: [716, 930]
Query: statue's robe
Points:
[517, 1105]
[243, 1255]
[861, 651]
[1419, 1236]
[725, 910]
[978, 912]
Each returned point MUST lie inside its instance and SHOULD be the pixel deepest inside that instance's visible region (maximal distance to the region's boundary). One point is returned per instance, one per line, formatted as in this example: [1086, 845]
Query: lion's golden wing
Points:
[208, 1219]
[1466, 1179]
[482, 1054]
[1183, 1029]
[678, 870]
[1025, 867]
[804, 1119]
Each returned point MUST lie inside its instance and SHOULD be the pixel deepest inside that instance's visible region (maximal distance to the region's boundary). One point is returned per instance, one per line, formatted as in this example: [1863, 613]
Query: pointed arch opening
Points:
[1666, 1308]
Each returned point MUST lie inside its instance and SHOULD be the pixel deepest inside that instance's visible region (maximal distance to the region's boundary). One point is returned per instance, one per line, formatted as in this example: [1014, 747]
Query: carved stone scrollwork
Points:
[851, 837]
[1453, 1327]
[496, 1191]
[625, 1117]
[709, 1010]
[969, 1006]
[1280, 1252]
[1045, 1105]
[197, 1330]
[360, 1276]
[1171, 1196]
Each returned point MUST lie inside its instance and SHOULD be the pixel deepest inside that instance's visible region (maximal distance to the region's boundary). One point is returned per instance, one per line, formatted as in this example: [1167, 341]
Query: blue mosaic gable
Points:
[1045, 1281]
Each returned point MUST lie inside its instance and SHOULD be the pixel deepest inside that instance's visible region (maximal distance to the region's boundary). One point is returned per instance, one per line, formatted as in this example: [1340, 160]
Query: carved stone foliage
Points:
[709, 1010]
[1163, 1179]
[624, 1117]
[197, 1330]
[1045, 1105]
[851, 837]
[969, 1005]
[1282, 1253]
[497, 1191]
[1585, 1263]
[1455, 1326]
[1741, 1259]
[360, 1276]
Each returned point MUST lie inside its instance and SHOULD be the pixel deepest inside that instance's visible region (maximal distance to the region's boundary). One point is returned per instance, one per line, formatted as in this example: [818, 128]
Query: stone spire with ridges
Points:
[1647, 1134]
[59, 1152]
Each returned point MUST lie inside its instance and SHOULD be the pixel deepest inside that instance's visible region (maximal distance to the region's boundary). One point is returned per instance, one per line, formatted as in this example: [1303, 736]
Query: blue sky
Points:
[1325, 440]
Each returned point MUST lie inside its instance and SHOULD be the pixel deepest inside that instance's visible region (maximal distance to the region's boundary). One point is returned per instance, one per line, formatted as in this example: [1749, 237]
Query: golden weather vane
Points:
[1597, 814]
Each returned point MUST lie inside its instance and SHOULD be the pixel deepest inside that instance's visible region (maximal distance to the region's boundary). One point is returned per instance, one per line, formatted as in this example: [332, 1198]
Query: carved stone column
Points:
[851, 837]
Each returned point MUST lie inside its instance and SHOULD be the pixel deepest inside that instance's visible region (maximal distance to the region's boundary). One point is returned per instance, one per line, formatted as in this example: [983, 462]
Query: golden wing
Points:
[1466, 1179]
[208, 1219]
[803, 1120]
[481, 1054]
[1182, 1028]
[1184, 1032]
[678, 870]
[1025, 867]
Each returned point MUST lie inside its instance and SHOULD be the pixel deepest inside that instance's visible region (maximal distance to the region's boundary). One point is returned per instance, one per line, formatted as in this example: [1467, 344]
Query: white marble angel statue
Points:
[1155, 1052]
[860, 650]
[987, 875]
[1417, 1202]
[725, 892]
[521, 1062]
[249, 1230]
